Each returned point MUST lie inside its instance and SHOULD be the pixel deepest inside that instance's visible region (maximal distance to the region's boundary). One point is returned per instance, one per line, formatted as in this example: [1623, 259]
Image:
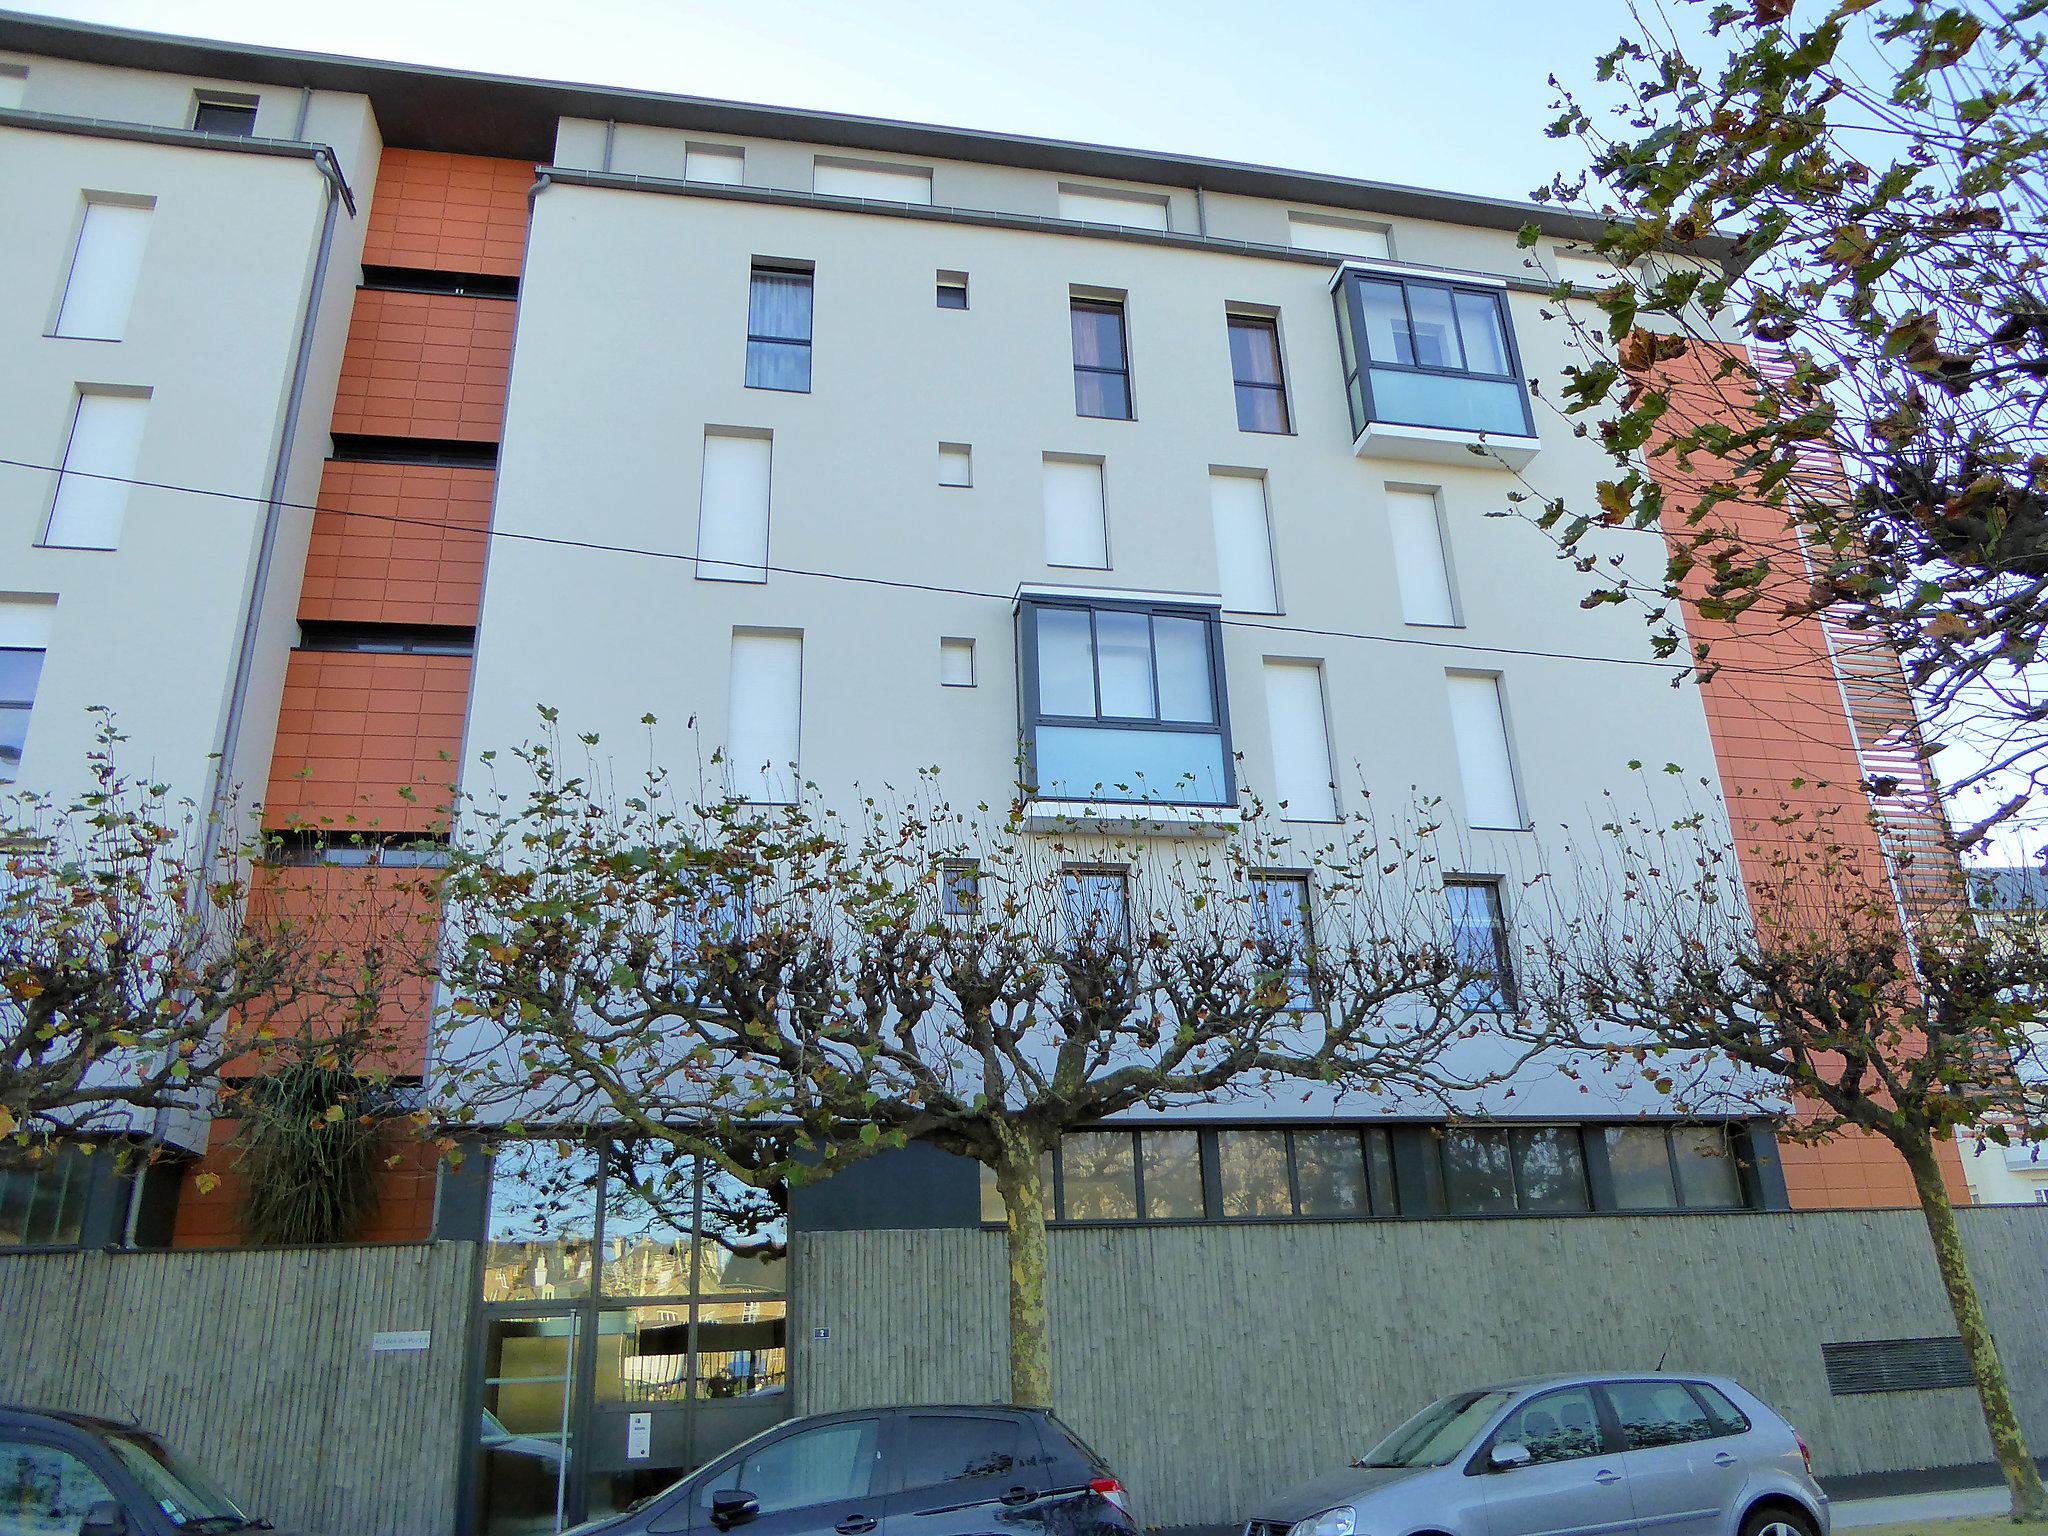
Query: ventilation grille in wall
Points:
[1895, 1365]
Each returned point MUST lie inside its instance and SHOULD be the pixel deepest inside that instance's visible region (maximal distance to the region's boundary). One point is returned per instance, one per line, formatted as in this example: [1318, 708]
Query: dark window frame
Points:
[1304, 972]
[1359, 364]
[1503, 949]
[467, 285]
[1270, 325]
[959, 889]
[783, 270]
[1032, 717]
[950, 285]
[1104, 306]
[242, 108]
[387, 639]
[1576, 1129]
[1745, 1197]
[24, 707]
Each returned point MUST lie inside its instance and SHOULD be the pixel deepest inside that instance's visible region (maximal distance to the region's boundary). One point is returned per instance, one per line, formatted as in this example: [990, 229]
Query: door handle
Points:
[855, 1525]
[1723, 1459]
[1019, 1496]
[1606, 1478]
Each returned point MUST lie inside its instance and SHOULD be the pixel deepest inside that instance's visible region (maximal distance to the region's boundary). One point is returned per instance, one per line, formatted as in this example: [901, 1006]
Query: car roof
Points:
[1580, 1378]
[92, 1421]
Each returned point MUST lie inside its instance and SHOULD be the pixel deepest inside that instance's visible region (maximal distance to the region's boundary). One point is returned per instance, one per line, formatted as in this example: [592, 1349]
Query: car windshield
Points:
[1439, 1432]
[184, 1495]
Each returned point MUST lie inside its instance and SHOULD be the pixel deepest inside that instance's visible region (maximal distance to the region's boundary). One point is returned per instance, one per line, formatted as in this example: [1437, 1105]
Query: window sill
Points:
[1140, 819]
[1444, 445]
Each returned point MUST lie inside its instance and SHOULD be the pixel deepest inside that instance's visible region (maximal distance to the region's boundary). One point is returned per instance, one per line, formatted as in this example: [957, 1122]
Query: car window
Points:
[1728, 1419]
[1438, 1433]
[1558, 1426]
[959, 1449]
[825, 1465]
[44, 1491]
[1654, 1413]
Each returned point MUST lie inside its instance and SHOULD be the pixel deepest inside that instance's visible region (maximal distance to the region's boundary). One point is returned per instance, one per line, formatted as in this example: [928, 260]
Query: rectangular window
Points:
[1244, 542]
[1095, 905]
[719, 163]
[1172, 1162]
[1331, 1172]
[1677, 1167]
[13, 85]
[765, 704]
[1485, 764]
[1344, 237]
[1124, 702]
[956, 662]
[1254, 1173]
[1107, 205]
[99, 459]
[1280, 919]
[232, 115]
[1708, 1176]
[879, 180]
[1304, 777]
[105, 265]
[732, 507]
[1550, 1169]
[1102, 365]
[1099, 1176]
[1256, 375]
[1429, 354]
[1479, 943]
[956, 465]
[42, 1205]
[1639, 1161]
[779, 329]
[1416, 523]
[952, 290]
[1076, 517]
[1479, 1173]
[24, 640]
[959, 888]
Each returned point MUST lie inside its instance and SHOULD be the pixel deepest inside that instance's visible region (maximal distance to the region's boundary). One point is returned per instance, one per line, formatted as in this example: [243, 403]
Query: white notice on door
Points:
[639, 1430]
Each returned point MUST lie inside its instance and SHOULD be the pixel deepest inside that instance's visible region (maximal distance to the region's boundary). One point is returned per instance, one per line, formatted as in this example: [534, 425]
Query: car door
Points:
[1674, 1483]
[967, 1474]
[815, 1480]
[47, 1489]
[1573, 1484]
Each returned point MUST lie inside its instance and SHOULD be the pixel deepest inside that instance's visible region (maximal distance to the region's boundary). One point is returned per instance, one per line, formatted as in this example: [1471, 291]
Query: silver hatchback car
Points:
[1664, 1455]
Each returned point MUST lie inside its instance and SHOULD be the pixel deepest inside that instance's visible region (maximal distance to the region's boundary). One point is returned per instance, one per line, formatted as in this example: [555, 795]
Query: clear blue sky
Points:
[1449, 94]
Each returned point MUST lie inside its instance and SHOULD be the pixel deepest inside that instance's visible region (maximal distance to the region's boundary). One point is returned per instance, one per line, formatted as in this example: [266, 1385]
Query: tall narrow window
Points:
[13, 84]
[1255, 374]
[1479, 940]
[105, 264]
[1304, 780]
[717, 163]
[232, 115]
[1280, 918]
[779, 330]
[766, 700]
[1076, 521]
[1095, 905]
[1485, 764]
[1102, 365]
[99, 460]
[1124, 702]
[24, 639]
[1416, 523]
[732, 507]
[1244, 543]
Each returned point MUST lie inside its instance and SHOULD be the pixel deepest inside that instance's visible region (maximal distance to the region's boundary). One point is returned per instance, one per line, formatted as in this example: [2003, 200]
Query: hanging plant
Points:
[308, 1155]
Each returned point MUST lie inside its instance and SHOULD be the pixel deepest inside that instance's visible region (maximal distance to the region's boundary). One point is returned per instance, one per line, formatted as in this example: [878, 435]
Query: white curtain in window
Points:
[1076, 531]
[1479, 725]
[765, 702]
[1303, 775]
[106, 440]
[104, 267]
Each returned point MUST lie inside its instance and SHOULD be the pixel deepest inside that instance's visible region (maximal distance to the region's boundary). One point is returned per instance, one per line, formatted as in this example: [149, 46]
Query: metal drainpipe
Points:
[611, 129]
[1201, 214]
[305, 109]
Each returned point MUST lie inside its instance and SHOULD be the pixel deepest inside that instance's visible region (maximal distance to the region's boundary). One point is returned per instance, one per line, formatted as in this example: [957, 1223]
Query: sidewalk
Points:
[1852, 1514]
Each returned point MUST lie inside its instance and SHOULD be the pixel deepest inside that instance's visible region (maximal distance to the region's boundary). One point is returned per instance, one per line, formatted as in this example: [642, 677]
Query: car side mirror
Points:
[733, 1506]
[1508, 1455]
[104, 1518]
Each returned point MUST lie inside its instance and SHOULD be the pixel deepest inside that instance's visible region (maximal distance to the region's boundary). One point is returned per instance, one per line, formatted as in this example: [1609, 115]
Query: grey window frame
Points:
[1032, 717]
[23, 707]
[1503, 951]
[1576, 1129]
[1270, 324]
[1745, 1197]
[1123, 336]
[1304, 972]
[1295, 1212]
[783, 269]
[959, 889]
[949, 284]
[1358, 366]
[222, 101]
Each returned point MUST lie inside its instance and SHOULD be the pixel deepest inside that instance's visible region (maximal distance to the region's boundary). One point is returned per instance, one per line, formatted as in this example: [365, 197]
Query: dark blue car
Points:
[70, 1474]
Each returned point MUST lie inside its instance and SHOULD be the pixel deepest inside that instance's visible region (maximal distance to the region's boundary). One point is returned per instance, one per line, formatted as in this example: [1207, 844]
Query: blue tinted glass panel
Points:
[1439, 400]
[1066, 663]
[1184, 691]
[1386, 323]
[1486, 348]
[1123, 650]
[779, 365]
[1435, 332]
[1093, 763]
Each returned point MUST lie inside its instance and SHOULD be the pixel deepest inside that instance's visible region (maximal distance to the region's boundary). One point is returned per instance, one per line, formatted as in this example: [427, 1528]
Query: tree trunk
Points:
[2029, 1501]
[1022, 1186]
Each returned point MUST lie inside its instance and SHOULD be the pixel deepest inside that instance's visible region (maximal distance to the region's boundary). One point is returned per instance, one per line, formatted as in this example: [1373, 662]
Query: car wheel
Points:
[1777, 1520]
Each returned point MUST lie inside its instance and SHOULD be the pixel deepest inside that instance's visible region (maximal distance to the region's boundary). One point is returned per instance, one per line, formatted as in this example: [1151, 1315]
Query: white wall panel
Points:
[1105, 205]
[104, 267]
[714, 163]
[1244, 543]
[1485, 764]
[765, 703]
[106, 437]
[1076, 519]
[1416, 523]
[1302, 773]
[885, 183]
[732, 508]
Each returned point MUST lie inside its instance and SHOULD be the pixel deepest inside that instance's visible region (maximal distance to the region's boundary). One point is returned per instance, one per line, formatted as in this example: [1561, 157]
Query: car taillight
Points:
[1804, 1453]
[1113, 1491]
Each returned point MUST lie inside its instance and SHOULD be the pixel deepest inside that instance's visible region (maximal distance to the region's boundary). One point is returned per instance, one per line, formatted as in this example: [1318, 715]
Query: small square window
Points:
[234, 115]
[952, 290]
[959, 888]
[956, 465]
[956, 663]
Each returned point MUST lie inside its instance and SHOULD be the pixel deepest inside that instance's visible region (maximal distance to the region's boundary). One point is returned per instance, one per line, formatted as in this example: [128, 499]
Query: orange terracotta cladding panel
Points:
[1787, 758]
[211, 1218]
[397, 544]
[358, 728]
[448, 213]
[425, 365]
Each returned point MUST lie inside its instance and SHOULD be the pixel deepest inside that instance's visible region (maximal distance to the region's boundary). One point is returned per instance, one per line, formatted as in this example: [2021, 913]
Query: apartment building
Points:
[358, 410]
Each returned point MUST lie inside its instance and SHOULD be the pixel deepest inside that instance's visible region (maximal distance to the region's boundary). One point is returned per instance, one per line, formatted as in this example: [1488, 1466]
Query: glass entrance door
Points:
[526, 1442]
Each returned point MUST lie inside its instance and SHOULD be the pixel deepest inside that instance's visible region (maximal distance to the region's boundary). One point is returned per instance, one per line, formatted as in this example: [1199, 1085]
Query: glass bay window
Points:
[1422, 352]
